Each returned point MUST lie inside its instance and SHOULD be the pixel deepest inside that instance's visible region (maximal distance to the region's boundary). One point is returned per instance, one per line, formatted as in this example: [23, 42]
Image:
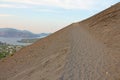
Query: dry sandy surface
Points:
[87, 50]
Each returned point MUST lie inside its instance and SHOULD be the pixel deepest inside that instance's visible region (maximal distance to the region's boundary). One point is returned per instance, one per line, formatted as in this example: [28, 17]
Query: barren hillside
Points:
[87, 50]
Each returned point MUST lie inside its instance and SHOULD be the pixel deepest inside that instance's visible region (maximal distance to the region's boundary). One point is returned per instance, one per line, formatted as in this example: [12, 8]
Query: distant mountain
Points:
[10, 32]
[41, 35]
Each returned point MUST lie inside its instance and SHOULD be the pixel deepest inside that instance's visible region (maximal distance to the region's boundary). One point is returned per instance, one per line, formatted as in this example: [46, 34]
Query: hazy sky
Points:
[48, 15]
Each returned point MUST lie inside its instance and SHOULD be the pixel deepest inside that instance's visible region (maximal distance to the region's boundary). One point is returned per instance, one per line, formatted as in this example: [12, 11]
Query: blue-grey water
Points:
[12, 41]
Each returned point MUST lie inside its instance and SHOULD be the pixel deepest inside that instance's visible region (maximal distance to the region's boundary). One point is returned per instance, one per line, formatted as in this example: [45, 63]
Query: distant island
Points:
[7, 49]
[15, 33]
[28, 40]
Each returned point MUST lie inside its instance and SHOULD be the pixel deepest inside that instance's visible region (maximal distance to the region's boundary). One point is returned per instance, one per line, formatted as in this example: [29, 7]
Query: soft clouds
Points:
[48, 10]
[5, 15]
[65, 4]
[12, 6]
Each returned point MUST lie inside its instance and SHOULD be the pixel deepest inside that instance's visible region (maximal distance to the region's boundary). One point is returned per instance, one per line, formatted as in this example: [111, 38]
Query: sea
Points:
[13, 41]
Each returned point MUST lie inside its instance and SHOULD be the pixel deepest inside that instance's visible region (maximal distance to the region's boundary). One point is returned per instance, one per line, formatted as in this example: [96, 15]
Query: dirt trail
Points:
[87, 50]
[89, 59]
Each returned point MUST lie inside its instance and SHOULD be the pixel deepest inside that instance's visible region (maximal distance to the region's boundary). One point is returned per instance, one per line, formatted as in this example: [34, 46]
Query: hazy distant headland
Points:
[19, 37]
[15, 33]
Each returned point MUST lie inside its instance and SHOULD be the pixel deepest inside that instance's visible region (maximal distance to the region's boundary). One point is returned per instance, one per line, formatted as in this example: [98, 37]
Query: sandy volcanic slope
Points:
[43, 60]
[88, 50]
[89, 59]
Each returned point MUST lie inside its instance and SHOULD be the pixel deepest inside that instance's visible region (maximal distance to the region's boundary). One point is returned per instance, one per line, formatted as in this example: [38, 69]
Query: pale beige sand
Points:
[87, 50]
